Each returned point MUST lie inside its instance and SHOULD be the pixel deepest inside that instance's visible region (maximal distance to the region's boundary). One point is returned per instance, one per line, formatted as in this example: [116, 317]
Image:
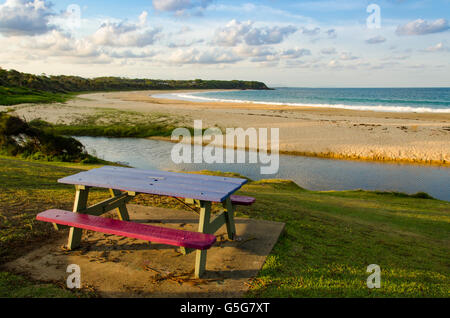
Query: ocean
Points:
[420, 100]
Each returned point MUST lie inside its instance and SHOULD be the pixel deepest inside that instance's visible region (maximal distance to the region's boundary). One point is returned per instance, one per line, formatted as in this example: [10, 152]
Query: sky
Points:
[324, 43]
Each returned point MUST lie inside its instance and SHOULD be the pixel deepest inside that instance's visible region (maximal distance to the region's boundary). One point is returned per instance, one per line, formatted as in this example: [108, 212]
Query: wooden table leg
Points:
[205, 215]
[122, 211]
[80, 204]
[229, 218]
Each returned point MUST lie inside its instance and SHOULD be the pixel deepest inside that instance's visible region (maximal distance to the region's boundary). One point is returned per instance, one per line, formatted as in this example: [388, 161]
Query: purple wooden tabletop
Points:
[183, 185]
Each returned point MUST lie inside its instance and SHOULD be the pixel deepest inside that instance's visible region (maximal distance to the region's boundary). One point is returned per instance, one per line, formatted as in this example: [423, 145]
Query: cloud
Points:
[347, 56]
[422, 27]
[25, 17]
[328, 51]
[437, 48]
[123, 34]
[181, 7]
[253, 51]
[174, 45]
[194, 56]
[376, 40]
[232, 33]
[295, 53]
[310, 32]
[57, 44]
[236, 32]
[332, 34]
[129, 54]
[274, 35]
[268, 56]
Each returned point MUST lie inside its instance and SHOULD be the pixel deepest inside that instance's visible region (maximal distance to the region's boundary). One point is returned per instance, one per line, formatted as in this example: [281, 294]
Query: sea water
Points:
[420, 100]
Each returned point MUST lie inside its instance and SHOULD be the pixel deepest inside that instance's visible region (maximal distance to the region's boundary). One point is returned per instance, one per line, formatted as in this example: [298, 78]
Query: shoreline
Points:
[333, 156]
[372, 108]
[414, 138]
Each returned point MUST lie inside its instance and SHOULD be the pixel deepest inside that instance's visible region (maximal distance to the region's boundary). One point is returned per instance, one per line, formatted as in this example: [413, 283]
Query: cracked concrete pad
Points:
[123, 267]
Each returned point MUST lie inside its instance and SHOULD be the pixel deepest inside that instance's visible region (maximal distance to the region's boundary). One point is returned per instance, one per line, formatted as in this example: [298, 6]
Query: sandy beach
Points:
[333, 133]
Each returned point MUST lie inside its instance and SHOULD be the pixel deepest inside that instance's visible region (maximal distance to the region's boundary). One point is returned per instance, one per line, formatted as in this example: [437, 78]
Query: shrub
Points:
[30, 141]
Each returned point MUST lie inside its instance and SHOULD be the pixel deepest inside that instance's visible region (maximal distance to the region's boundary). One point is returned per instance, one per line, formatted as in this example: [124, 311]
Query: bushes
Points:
[17, 87]
[21, 95]
[31, 141]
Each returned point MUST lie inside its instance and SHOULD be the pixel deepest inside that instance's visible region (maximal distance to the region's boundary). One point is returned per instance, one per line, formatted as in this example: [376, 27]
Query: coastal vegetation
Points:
[139, 130]
[18, 138]
[329, 240]
[17, 87]
[104, 122]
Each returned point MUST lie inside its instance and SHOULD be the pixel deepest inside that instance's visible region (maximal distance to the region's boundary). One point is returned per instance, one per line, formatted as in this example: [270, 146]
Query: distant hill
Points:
[16, 87]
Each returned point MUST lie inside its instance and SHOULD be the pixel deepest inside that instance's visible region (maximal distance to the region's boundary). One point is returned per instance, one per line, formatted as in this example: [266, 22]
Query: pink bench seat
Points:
[241, 200]
[155, 234]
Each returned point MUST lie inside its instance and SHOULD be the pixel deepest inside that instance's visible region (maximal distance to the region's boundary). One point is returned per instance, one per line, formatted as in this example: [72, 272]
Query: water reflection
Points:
[310, 173]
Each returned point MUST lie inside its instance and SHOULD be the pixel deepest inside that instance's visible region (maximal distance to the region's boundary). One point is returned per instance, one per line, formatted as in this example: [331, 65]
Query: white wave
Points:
[377, 108]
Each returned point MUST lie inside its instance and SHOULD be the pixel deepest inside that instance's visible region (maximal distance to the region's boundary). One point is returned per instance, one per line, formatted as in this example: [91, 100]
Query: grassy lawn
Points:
[329, 240]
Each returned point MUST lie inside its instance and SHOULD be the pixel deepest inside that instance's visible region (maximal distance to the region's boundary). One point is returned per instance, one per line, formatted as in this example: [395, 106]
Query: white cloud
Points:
[332, 33]
[174, 45]
[328, 51]
[376, 40]
[422, 27]
[295, 53]
[437, 48]
[130, 54]
[25, 17]
[253, 51]
[236, 32]
[310, 32]
[123, 34]
[232, 33]
[57, 43]
[195, 56]
[181, 7]
[273, 35]
[347, 56]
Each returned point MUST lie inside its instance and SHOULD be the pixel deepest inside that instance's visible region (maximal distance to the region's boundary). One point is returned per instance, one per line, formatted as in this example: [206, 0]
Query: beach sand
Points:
[323, 132]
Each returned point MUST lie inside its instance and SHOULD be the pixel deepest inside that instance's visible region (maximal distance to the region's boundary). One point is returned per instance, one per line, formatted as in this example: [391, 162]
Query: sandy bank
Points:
[323, 132]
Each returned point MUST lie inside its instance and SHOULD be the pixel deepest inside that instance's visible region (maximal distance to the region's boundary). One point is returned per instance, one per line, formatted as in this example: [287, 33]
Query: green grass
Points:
[114, 123]
[331, 237]
[19, 95]
[135, 131]
[18, 286]
[329, 240]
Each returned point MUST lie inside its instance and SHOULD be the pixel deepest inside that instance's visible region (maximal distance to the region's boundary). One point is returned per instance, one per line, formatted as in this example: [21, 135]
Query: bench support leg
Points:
[200, 259]
[229, 218]
[122, 211]
[81, 198]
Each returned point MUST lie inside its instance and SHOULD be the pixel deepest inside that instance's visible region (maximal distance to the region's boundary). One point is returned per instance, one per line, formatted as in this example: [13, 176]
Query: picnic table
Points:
[125, 183]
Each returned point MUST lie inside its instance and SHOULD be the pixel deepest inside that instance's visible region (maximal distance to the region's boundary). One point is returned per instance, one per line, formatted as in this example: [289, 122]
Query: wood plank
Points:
[218, 222]
[122, 210]
[242, 200]
[229, 216]
[163, 174]
[200, 187]
[200, 257]
[187, 239]
[143, 181]
[107, 205]
[81, 197]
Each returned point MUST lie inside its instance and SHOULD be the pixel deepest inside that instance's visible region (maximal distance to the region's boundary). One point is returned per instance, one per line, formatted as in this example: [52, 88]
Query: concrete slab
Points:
[123, 267]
